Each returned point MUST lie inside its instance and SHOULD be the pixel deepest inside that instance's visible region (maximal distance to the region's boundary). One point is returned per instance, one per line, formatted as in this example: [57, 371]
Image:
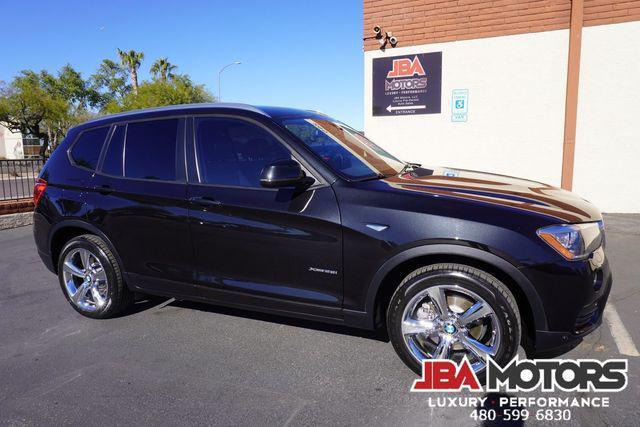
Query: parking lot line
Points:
[621, 336]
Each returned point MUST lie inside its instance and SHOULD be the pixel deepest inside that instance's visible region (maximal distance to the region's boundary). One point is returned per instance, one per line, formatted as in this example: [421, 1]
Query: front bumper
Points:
[574, 296]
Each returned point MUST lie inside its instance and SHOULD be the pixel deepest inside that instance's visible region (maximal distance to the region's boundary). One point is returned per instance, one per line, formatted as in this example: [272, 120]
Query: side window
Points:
[112, 163]
[234, 152]
[86, 150]
[150, 149]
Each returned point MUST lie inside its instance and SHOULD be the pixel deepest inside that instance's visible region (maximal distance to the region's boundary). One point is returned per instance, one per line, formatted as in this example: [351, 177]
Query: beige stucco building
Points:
[541, 89]
[10, 144]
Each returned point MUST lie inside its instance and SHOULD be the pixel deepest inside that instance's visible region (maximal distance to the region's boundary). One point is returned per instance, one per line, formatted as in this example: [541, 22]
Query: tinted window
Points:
[150, 150]
[86, 150]
[112, 163]
[344, 149]
[234, 152]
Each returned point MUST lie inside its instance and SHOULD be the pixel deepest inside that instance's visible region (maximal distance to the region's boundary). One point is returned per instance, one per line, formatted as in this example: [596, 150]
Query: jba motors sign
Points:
[407, 84]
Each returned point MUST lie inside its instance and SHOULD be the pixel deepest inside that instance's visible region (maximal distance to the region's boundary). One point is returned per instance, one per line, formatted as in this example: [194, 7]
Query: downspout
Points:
[571, 101]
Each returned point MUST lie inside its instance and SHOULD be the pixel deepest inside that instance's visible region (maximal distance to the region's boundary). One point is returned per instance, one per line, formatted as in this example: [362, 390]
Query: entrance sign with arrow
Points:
[406, 107]
[407, 84]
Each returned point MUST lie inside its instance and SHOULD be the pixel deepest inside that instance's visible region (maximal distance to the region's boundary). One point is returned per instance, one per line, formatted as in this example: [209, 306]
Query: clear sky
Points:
[303, 53]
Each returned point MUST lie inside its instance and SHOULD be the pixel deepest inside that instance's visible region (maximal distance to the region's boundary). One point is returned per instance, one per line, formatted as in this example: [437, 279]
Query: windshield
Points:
[343, 148]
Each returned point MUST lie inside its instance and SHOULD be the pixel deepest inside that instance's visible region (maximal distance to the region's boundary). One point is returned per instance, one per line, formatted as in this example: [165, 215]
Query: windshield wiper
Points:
[373, 177]
[409, 167]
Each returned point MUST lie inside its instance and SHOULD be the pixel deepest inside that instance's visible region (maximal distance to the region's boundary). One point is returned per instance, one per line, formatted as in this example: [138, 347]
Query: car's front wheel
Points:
[91, 279]
[452, 311]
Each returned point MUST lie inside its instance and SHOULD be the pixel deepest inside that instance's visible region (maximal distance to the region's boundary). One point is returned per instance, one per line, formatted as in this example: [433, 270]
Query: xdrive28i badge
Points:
[323, 270]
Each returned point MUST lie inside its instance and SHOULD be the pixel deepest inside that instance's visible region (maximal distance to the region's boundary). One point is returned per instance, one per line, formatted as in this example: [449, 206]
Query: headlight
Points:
[573, 241]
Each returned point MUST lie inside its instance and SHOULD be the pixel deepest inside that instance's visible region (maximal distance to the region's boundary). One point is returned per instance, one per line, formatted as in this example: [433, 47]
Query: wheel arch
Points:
[390, 274]
[66, 230]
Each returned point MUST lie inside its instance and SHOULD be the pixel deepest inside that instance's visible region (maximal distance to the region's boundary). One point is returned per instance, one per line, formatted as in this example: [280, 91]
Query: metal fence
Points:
[17, 178]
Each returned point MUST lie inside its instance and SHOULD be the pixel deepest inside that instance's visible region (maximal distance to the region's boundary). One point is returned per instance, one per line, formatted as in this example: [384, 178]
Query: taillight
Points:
[38, 190]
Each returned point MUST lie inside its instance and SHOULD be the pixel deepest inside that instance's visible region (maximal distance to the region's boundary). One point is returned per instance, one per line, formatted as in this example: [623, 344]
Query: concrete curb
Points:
[16, 220]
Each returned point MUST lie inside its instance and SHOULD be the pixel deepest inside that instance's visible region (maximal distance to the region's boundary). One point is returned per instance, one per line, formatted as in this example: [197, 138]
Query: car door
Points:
[253, 245]
[138, 199]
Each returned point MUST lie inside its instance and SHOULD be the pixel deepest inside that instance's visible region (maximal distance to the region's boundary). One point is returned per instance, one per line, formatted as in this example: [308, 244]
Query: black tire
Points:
[494, 292]
[120, 298]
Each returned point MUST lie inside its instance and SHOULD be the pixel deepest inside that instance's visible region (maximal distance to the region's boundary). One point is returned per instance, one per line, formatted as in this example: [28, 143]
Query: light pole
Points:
[220, 73]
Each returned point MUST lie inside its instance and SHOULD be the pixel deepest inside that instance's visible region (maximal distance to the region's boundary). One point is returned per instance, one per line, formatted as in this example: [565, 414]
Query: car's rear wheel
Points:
[452, 311]
[91, 279]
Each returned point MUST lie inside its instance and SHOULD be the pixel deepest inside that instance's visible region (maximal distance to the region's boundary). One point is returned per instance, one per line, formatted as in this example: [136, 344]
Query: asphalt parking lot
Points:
[184, 363]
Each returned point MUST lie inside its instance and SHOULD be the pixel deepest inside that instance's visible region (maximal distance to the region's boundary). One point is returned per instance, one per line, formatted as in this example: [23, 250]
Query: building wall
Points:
[607, 157]
[602, 12]
[516, 107]
[512, 56]
[10, 144]
[417, 22]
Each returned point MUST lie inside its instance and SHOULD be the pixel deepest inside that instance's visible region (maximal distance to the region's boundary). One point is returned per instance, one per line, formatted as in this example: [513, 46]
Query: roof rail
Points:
[215, 105]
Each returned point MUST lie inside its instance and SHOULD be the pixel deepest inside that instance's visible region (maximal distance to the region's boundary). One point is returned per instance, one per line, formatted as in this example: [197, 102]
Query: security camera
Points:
[377, 31]
[393, 40]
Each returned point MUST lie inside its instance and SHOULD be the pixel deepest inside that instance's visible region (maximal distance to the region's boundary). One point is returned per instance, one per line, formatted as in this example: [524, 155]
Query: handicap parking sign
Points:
[459, 105]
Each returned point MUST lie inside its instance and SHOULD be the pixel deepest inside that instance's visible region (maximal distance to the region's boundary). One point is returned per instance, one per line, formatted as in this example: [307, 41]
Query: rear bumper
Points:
[574, 310]
[46, 259]
[41, 230]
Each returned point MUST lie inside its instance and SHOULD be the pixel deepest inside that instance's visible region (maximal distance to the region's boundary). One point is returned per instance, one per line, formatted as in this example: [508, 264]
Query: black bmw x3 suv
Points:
[293, 213]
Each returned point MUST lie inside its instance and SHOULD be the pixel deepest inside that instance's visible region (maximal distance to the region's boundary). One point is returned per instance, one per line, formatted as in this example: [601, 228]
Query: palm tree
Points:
[162, 69]
[131, 61]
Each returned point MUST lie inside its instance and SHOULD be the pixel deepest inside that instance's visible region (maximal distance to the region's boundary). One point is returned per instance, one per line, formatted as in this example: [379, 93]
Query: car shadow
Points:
[140, 304]
[274, 318]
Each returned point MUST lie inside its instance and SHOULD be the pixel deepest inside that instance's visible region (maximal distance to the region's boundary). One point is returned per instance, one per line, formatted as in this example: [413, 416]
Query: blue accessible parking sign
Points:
[459, 105]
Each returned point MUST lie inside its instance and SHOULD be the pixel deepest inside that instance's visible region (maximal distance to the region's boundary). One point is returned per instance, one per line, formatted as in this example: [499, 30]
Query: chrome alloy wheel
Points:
[85, 280]
[450, 322]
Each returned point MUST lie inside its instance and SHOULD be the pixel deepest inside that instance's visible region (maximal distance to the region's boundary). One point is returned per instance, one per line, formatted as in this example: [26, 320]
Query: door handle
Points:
[103, 189]
[205, 201]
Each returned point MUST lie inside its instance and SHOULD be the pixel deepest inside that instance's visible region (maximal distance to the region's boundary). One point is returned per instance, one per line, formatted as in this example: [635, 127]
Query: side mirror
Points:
[284, 173]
